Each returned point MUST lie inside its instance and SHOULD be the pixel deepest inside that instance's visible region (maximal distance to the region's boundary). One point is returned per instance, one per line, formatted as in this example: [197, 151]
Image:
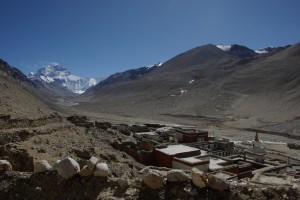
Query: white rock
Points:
[176, 175]
[92, 162]
[85, 171]
[101, 169]
[198, 178]
[54, 167]
[67, 167]
[5, 165]
[153, 179]
[217, 183]
[41, 166]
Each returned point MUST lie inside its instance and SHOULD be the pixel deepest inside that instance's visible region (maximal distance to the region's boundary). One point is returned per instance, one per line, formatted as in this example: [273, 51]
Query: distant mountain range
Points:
[230, 84]
[57, 76]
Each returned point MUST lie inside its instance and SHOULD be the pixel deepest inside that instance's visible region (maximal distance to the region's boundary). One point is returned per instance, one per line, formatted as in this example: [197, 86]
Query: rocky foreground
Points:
[72, 158]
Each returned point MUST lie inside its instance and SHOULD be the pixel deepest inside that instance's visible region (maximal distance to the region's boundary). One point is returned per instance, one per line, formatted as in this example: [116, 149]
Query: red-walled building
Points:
[192, 136]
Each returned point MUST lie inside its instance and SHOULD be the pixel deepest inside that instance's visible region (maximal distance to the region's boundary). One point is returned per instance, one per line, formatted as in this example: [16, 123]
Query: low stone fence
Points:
[7, 123]
[294, 146]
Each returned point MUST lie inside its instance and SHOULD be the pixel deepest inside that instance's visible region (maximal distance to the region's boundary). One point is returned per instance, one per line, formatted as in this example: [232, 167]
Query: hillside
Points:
[15, 97]
[238, 87]
[116, 78]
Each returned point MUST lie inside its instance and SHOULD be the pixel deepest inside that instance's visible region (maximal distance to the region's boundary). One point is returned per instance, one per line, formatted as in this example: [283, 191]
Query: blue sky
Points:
[95, 38]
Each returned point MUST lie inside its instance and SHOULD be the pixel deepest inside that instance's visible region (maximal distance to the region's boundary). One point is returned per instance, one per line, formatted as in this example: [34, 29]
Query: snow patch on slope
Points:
[182, 91]
[261, 51]
[224, 47]
[47, 79]
[155, 65]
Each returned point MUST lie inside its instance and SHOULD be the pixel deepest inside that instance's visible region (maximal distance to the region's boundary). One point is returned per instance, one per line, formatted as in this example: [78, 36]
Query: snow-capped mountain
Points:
[245, 52]
[237, 50]
[61, 76]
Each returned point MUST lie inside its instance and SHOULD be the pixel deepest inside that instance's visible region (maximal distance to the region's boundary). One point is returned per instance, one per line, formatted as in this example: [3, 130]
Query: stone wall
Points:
[293, 146]
[7, 123]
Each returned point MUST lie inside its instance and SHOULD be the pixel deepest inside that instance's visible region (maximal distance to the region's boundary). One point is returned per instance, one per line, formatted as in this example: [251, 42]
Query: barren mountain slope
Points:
[269, 88]
[162, 90]
[15, 99]
[207, 82]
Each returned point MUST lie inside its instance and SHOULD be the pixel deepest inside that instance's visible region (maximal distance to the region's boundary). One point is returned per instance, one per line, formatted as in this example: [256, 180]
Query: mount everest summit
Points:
[57, 75]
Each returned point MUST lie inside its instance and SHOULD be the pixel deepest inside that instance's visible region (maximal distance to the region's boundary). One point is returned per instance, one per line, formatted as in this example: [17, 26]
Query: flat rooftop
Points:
[176, 149]
[203, 152]
[224, 175]
[194, 160]
[146, 133]
[165, 129]
[217, 163]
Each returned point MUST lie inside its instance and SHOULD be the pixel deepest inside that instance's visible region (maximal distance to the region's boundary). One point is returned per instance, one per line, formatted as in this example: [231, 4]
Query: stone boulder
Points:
[176, 175]
[5, 165]
[92, 162]
[198, 178]
[152, 179]
[67, 168]
[41, 166]
[217, 183]
[101, 170]
[54, 167]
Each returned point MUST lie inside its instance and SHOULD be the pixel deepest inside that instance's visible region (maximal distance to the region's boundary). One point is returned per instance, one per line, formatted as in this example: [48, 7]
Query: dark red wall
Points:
[162, 160]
